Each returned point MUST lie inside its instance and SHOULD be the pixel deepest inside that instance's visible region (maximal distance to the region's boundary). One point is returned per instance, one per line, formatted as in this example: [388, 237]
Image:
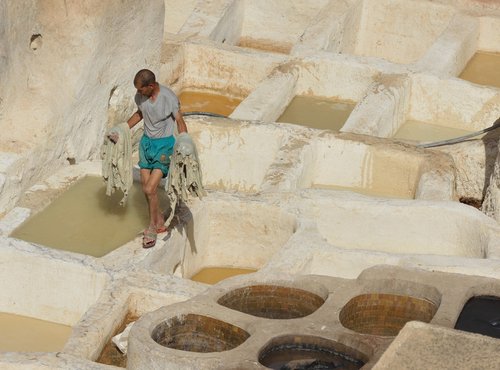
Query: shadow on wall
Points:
[491, 142]
[183, 221]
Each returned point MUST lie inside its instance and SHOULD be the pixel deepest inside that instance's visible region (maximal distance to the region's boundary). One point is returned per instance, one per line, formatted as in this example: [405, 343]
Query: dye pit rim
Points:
[375, 314]
[263, 300]
[198, 333]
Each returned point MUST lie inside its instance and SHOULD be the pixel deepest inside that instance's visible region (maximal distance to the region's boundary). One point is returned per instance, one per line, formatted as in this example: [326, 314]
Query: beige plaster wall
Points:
[56, 105]
[453, 103]
[400, 31]
[489, 38]
[236, 157]
[176, 13]
[277, 25]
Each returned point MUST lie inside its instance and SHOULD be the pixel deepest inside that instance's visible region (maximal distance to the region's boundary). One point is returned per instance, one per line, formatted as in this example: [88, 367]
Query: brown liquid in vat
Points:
[85, 220]
[212, 275]
[193, 101]
[483, 69]
[26, 334]
[423, 132]
[317, 113]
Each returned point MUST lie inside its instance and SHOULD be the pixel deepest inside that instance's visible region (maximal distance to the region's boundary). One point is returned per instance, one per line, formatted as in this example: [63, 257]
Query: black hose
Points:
[185, 114]
[461, 138]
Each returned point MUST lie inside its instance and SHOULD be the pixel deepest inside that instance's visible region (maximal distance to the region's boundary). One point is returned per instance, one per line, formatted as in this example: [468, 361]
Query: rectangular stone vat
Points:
[317, 113]
[356, 166]
[483, 69]
[225, 233]
[261, 29]
[40, 286]
[84, 220]
[446, 105]
[321, 77]
[399, 31]
[235, 156]
[404, 227]
[202, 68]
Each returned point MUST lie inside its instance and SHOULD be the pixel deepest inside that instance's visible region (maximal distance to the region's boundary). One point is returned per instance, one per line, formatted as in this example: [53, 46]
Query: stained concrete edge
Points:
[425, 346]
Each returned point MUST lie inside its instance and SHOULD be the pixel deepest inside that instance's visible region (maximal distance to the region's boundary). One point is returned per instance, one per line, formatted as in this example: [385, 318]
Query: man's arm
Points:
[181, 125]
[135, 118]
[132, 121]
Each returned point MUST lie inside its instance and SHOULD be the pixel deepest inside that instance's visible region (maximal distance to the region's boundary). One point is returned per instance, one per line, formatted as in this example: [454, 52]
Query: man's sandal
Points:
[149, 238]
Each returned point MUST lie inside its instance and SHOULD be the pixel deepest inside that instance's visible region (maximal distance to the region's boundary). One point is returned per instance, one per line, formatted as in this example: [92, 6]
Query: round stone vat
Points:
[197, 333]
[384, 314]
[272, 301]
[309, 352]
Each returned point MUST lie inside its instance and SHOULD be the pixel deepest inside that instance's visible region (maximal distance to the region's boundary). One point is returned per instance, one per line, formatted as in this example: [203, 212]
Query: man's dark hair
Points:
[144, 78]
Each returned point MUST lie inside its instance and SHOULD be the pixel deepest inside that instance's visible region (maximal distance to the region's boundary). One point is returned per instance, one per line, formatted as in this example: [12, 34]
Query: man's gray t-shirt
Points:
[158, 115]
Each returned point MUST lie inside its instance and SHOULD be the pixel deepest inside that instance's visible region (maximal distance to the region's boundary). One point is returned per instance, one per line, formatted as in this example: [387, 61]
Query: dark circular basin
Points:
[309, 352]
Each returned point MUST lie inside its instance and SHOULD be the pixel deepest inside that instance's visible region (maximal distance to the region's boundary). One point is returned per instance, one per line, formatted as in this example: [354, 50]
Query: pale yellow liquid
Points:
[483, 69]
[378, 191]
[317, 113]
[85, 220]
[193, 101]
[26, 334]
[421, 131]
[212, 275]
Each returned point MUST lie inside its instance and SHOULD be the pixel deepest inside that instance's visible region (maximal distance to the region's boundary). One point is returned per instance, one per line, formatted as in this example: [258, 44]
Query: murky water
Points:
[26, 334]
[481, 315]
[483, 69]
[84, 220]
[298, 359]
[195, 101]
[317, 113]
[212, 275]
[424, 132]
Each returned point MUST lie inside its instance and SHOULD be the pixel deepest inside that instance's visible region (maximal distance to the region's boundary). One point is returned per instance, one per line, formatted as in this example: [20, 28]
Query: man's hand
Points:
[113, 137]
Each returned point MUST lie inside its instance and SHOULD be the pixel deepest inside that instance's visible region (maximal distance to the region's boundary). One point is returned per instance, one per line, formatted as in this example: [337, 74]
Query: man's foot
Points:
[161, 229]
[149, 238]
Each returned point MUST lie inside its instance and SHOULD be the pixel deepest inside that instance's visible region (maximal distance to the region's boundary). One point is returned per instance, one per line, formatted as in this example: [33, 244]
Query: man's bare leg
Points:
[150, 181]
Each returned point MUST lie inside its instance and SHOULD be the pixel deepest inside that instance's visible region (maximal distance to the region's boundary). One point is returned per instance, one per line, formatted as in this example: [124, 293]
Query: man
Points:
[159, 107]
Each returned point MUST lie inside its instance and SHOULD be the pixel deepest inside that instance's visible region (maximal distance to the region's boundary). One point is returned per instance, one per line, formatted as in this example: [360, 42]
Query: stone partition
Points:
[314, 212]
[410, 295]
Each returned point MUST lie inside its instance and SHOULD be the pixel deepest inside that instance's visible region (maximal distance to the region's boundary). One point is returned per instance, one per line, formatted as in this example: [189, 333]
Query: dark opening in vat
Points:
[197, 333]
[384, 314]
[272, 302]
[308, 352]
[481, 315]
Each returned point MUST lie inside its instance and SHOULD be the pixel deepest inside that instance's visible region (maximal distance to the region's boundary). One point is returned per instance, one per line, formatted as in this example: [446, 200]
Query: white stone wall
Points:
[56, 95]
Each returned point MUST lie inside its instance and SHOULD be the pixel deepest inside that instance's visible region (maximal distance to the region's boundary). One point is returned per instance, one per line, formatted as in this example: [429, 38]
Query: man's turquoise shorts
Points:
[155, 153]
